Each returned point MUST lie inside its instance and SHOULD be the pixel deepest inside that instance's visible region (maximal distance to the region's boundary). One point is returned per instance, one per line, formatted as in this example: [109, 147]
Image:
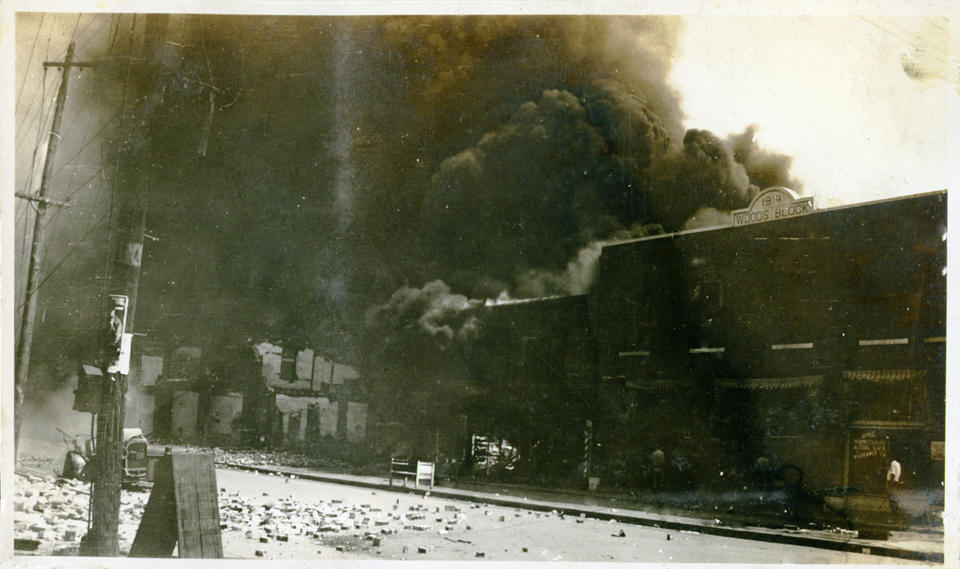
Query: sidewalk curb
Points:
[848, 545]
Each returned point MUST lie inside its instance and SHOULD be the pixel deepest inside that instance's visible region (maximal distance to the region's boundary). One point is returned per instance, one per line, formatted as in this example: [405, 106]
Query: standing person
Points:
[893, 482]
[657, 461]
[893, 473]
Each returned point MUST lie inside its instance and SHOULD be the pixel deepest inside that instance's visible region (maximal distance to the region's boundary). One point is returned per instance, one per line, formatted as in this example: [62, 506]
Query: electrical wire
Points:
[65, 257]
[27, 247]
[86, 144]
[76, 189]
[40, 111]
[26, 68]
[31, 173]
[85, 141]
[95, 33]
[29, 115]
[26, 74]
[73, 34]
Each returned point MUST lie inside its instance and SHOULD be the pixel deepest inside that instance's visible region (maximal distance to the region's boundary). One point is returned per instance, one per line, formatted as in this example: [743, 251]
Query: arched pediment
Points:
[771, 204]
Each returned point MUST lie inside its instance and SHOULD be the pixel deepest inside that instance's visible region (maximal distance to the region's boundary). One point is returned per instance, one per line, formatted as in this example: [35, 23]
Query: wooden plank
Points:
[188, 523]
[183, 509]
[157, 534]
[209, 508]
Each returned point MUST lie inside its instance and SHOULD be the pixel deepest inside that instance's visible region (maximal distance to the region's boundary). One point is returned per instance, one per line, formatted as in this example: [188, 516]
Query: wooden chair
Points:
[425, 472]
[400, 467]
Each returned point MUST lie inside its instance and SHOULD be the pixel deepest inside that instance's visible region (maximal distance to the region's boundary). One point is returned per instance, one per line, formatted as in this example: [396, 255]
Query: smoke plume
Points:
[360, 185]
[440, 315]
[763, 168]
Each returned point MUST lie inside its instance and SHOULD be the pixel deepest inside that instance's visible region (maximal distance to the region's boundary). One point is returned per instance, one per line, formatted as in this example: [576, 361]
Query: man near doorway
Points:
[894, 471]
[657, 461]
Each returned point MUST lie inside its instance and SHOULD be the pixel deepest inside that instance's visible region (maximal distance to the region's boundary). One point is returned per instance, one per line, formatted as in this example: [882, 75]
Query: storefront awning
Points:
[803, 381]
[659, 384]
[883, 375]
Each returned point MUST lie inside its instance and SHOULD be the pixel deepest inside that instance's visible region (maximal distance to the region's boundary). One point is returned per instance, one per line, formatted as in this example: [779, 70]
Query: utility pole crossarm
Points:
[45, 201]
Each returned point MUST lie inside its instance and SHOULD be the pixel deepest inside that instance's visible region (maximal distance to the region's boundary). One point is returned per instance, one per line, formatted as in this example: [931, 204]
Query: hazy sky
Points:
[824, 89]
[830, 91]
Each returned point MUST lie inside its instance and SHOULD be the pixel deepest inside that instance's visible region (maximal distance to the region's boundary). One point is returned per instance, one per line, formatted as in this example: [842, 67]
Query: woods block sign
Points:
[772, 204]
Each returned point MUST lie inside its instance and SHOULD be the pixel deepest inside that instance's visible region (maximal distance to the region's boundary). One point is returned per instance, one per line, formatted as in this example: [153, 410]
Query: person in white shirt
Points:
[893, 473]
[893, 482]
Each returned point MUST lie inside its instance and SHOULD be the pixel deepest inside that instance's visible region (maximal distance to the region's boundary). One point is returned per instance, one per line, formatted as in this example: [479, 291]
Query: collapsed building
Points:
[269, 396]
[298, 396]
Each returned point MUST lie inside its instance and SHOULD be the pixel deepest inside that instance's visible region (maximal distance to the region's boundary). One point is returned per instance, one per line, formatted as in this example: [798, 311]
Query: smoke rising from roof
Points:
[367, 174]
[438, 313]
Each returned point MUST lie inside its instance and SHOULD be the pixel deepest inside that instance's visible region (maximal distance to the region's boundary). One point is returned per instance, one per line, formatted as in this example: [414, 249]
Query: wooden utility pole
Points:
[25, 339]
[103, 538]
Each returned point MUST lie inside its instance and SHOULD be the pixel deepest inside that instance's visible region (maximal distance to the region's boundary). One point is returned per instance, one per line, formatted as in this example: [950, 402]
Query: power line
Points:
[115, 29]
[36, 149]
[75, 157]
[75, 191]
[26, 68]
[85, 142]
[69, 254]
[36, 145]
[94, 34]
[40, 111]
[88, 143]
[27, 112]
[73, 35]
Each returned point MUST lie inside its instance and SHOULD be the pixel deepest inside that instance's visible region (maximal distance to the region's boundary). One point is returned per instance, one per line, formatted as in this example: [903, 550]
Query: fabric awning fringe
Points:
[803, 381]
[659, 384]
[883, 375]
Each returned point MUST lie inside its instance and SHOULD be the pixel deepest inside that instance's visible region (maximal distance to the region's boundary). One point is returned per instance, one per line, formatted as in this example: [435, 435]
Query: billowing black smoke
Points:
[351, 183]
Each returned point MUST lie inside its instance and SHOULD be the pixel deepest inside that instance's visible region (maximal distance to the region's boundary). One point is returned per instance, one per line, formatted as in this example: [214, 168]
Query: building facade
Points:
[264, 395]
[296, 397]
[816, 340]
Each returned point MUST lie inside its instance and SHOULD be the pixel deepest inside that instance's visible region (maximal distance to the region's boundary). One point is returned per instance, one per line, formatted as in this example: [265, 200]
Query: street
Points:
[279, 517]
[423, 527]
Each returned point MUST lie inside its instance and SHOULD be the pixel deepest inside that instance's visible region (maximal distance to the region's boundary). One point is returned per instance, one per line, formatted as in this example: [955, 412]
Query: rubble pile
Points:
[246, 457]
[53, 511]
[276, 517]
[265, 521]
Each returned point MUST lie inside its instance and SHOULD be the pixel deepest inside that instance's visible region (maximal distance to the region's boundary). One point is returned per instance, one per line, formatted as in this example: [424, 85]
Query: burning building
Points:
[815, 339]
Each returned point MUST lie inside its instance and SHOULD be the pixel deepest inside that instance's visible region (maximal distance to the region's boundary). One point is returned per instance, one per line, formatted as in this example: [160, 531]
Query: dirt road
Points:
[306, 519]
[276, 517]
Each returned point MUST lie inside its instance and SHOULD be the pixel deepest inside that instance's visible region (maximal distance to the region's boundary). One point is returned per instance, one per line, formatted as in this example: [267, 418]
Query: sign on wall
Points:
[869, 447]
[937, 450]
[772, 204]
